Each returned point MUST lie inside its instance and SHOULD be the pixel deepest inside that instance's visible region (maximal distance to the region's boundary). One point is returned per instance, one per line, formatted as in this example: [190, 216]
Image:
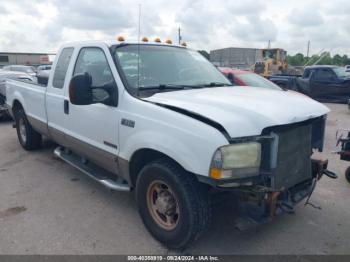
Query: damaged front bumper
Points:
[263, 205]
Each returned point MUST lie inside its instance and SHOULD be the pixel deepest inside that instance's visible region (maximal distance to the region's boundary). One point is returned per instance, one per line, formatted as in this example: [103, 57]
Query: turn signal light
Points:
[215, 173]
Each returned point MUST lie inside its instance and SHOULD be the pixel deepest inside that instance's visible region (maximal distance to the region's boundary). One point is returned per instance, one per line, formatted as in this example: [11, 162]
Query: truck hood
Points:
[243, 111]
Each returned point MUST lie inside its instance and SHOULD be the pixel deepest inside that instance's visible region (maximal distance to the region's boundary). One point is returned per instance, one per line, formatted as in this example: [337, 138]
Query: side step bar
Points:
[92, 170]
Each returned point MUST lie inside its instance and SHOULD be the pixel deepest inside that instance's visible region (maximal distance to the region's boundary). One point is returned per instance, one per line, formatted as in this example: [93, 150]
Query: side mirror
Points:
[231, 77]
[80, 92]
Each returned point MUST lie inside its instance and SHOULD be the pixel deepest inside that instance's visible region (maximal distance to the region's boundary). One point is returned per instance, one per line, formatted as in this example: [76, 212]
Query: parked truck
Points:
[324, 83]
[162, 121]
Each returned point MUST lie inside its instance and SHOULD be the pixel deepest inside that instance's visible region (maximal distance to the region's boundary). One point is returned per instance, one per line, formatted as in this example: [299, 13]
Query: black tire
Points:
[28, 137]
[192, 198]
[347, 174]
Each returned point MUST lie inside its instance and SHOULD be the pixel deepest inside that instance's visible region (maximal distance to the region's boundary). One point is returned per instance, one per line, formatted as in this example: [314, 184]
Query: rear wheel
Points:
[172, 204]
[347, 174]
[27, 136]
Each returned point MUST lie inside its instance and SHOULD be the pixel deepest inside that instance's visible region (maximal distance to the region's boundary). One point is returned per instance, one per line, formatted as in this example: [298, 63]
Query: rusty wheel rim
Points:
[163, 205]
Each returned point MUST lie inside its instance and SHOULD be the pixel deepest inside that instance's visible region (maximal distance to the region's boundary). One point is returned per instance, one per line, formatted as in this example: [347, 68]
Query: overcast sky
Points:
[42, 25]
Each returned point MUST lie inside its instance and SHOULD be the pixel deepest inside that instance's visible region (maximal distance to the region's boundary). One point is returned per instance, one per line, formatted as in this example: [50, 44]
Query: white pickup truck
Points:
[163, 121]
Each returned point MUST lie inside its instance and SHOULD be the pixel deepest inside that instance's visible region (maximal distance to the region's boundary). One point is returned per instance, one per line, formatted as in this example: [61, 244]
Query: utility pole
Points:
[308, 49]
[180, 37]
[269, 45]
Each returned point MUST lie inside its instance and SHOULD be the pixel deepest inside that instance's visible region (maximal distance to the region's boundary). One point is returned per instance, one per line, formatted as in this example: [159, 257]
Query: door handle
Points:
[66, 107]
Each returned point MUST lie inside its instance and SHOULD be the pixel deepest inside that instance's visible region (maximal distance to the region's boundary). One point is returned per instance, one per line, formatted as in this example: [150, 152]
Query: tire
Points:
[27, 136]
[192, 213]
[347, 174]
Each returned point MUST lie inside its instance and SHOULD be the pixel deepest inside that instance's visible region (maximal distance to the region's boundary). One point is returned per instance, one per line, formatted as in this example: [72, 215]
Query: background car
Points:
[247, 78]
[30, 70]
[43, 76]
[43, 67]
[325, 83]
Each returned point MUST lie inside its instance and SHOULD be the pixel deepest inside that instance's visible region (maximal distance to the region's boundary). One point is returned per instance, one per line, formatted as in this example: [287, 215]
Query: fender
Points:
[17, 96]
[195, 161]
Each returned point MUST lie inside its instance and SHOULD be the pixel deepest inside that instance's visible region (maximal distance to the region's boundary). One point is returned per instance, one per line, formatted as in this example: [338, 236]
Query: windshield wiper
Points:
[162, 87]
[167, 87]
[216, 84]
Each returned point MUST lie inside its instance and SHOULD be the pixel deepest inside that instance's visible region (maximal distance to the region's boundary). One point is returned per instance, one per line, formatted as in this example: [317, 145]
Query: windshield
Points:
[340, 72]
[166, 66]
[269, 54]
[257, 81]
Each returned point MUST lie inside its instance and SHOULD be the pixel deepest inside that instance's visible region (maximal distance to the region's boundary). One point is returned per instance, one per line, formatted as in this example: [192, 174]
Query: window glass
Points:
[151, 65]
[324, 75]
[92, 60]
[307, 73]
[340, 72]
[4, 58]
[257, 81]
[61, 67]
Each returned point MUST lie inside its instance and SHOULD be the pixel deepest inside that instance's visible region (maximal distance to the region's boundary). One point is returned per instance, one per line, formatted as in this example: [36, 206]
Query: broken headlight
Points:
[236, 161]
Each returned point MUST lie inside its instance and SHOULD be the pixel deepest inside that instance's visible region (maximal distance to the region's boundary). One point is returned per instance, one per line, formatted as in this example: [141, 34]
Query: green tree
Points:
[297, 60]
[326, 59]
[338, 60]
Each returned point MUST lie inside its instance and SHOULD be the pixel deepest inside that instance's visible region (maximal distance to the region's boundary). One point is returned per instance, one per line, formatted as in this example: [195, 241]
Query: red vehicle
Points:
[247, 78]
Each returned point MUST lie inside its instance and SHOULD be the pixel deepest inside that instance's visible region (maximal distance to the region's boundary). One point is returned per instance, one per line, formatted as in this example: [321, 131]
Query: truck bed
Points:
[31, 96]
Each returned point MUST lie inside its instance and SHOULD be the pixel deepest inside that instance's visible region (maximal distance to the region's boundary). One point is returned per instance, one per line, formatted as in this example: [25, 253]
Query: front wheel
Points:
[27, 136]
[172, 204]
[347, 174]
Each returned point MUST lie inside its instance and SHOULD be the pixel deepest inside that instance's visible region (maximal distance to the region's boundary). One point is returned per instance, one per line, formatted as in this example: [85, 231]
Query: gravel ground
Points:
[48, 207]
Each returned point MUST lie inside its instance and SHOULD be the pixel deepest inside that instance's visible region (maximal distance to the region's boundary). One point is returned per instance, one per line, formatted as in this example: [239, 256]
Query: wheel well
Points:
[141, 158]
[16, 106]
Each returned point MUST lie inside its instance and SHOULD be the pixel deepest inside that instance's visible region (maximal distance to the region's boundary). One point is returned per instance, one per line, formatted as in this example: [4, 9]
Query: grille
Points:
[293, 158]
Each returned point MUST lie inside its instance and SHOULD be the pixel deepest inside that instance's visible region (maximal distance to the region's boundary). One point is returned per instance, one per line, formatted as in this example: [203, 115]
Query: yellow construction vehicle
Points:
[274, 61]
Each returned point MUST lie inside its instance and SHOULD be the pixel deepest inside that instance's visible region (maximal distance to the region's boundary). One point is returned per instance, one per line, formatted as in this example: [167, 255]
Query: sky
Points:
[43, 25]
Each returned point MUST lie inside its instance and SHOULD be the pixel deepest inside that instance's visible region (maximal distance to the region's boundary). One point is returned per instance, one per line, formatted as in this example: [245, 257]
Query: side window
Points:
[323, 75]
[92, 60]
[307, 73]
[4, 58]
[61, 67]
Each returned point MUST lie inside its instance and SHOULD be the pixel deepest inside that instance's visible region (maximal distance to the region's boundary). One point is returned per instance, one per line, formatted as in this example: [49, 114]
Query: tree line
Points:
[327, 59]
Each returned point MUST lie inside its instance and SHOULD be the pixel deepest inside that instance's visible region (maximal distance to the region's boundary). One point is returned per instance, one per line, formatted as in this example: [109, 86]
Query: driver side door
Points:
[92, 130]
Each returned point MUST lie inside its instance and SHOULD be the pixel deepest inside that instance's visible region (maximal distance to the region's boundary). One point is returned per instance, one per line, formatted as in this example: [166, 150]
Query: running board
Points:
[97, 173]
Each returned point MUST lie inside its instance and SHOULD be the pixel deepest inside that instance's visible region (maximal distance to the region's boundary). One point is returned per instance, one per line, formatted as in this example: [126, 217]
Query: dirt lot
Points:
[48, 207]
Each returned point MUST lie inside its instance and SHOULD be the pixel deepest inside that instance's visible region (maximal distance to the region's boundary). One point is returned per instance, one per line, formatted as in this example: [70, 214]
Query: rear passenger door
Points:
[92, 130]
[55, 96]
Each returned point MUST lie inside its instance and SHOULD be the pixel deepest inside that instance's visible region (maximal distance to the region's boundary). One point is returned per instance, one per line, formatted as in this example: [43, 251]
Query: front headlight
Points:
[236, 161]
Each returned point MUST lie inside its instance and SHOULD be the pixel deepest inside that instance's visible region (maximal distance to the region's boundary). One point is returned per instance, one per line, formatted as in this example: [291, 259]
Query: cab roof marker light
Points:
[120, 38]
[145, 39]
[157, 40]
[169, 42]
[183, 44]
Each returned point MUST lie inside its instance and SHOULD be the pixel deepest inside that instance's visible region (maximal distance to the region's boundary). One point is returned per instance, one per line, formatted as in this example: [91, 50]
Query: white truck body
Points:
[188, 126]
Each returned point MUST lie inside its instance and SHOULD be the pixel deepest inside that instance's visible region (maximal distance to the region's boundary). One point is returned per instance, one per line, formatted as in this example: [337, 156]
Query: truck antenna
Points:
[138, 52]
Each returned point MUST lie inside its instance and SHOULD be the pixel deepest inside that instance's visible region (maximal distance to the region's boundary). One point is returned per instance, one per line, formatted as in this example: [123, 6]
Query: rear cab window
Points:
[62, 67]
